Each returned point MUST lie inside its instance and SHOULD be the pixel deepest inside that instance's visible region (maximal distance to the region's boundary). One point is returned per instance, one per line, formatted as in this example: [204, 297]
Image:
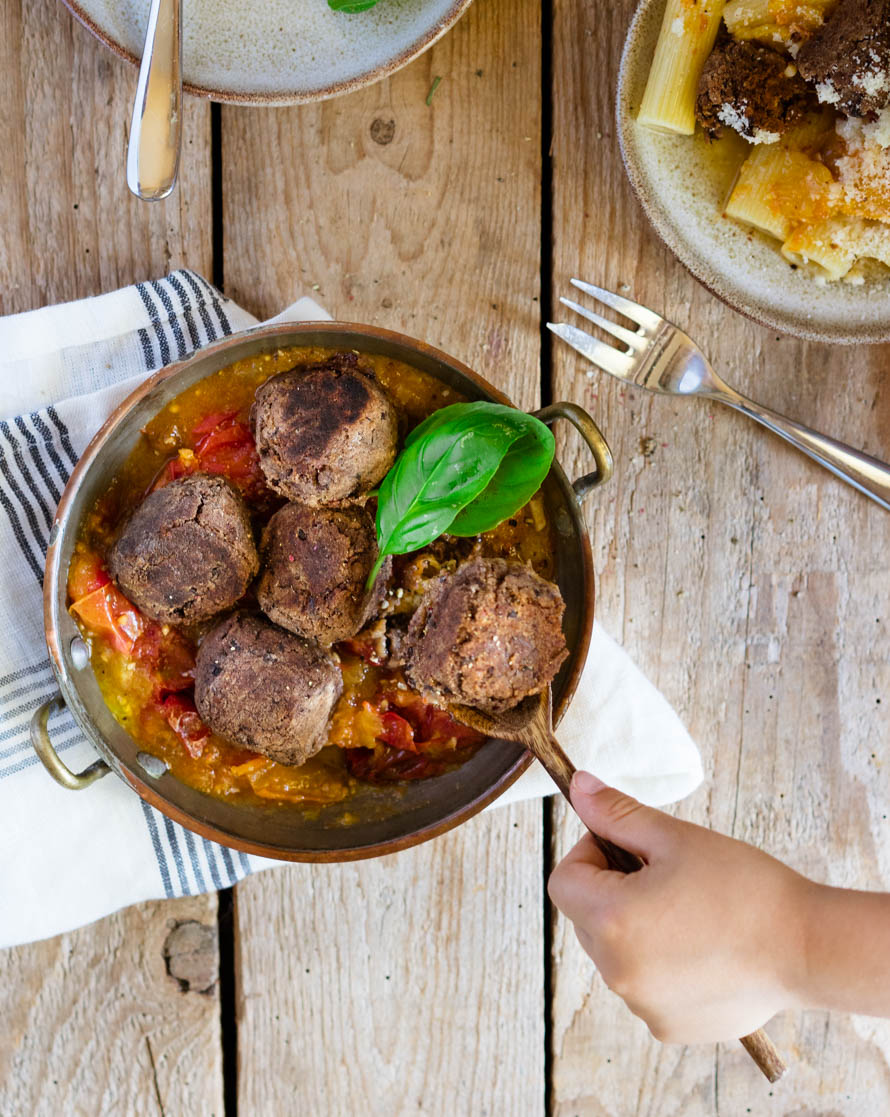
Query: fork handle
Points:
[864, 473]
[156, 128]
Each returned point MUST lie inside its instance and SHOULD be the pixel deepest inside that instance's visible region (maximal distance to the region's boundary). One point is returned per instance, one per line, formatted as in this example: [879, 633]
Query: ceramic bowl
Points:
[279, 52]
[682, 187]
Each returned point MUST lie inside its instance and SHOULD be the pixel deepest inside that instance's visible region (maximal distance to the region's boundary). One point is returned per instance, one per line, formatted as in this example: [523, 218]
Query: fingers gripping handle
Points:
[561, 770]
[758, 1045]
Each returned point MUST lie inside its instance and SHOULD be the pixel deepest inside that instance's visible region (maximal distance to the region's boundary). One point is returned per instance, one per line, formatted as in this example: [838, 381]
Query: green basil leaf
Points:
[434, 478]
[520, 475]
[448, 465]
[351, 6]
[461, 413]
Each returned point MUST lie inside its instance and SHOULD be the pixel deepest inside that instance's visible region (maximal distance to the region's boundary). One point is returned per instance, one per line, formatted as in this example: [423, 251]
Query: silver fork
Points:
[661, 358]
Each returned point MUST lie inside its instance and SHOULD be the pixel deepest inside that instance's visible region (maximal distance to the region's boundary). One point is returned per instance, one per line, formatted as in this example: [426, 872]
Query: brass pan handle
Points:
[592, 435]
[60, 772]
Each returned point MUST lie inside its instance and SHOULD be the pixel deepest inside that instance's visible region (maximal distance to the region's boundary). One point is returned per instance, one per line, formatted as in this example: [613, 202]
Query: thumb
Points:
[620, 818]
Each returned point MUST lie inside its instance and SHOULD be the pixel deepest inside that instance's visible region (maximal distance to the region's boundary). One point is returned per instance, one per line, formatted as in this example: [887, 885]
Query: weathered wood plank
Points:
[751, 586]
[414, 983]
[410, 984]
[93, 1024]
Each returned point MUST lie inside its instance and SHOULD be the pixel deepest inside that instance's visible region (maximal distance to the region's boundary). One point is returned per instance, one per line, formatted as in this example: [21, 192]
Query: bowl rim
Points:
[62, 526]
[667, 233]
[240, 97]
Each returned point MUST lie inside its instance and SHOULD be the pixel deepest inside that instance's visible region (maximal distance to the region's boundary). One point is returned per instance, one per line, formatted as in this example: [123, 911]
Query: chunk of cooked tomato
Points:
[397, 733]
[107, 613]
[432, 727]
[86, 573]
[223, 445]
[167, 657]
[388, 765]
[365, 648]
[185, 721]
[416, 741]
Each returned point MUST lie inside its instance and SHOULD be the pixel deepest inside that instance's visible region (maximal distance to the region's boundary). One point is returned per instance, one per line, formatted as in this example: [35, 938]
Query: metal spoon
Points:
[156, 128]
[531, 724]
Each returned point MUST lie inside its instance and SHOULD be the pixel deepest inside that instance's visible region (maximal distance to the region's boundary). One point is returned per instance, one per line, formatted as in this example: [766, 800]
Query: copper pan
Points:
[376, 820]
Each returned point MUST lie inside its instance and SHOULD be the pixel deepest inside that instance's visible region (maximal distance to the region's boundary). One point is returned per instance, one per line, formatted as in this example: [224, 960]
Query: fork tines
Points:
[619, 362]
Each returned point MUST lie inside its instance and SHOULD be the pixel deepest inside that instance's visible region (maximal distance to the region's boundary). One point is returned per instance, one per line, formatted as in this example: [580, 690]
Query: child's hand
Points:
[706, 942]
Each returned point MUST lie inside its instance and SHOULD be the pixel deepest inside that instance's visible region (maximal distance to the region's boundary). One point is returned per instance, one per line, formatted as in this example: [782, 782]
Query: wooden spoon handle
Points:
[549, 751]
[765, 1054]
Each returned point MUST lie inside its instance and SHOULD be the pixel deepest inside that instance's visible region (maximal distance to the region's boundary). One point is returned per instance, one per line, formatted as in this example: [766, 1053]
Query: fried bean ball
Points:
[187, 552]
[486, 636]
[324, 433]
[315, 565]
[265, 688]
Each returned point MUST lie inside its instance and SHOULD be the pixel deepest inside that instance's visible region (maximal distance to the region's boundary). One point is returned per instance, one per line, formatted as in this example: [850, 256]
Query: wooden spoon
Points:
[531, 724]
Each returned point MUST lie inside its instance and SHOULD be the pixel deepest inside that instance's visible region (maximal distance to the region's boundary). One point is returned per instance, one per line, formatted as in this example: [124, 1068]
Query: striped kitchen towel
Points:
[68, 858]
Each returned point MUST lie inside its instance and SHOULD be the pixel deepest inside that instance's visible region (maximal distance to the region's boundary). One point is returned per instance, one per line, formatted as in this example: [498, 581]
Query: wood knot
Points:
[382, 131]
[191, 954]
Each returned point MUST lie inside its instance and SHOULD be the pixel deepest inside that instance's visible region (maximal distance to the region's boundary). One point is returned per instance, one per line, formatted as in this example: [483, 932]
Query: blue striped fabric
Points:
[37, 452]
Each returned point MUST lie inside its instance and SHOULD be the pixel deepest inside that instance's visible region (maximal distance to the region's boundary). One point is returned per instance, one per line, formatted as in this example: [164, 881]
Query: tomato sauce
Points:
[381, 730]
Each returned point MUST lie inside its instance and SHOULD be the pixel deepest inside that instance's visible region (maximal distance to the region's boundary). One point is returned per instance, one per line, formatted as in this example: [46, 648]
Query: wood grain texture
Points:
[412, 984]
[750, 585]
[408, 984]
[416, 217]
[70, 226]
[93, 1024]
[96, 1025]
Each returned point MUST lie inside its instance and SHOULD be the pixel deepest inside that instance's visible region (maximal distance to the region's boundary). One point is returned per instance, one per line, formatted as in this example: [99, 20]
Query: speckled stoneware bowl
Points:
[682, 191]
[279, 52]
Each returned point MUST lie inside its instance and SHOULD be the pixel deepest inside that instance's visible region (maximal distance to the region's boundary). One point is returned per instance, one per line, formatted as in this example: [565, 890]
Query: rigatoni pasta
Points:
[750, 199]
[836, 243]
[774, 21]
[807, 85]
[687, 37]
[779, 184]
[823, 244]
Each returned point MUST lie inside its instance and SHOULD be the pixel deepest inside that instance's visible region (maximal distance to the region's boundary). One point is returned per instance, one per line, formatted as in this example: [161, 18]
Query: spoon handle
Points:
[155, 131]
[550, 752]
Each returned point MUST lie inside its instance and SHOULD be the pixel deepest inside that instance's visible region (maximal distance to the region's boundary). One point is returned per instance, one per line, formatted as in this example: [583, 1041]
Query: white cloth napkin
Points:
[67, 858]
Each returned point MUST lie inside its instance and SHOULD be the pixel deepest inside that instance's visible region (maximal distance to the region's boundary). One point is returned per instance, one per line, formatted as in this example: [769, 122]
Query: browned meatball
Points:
[487, 636]
[848, 58]
[187, 552]
[324, 433]
[266, 689]
[315, 565]
[751, 89]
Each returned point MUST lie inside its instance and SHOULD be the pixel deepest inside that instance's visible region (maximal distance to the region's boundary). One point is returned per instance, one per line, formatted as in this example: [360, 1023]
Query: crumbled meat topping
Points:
[752, 90]
[848, 58]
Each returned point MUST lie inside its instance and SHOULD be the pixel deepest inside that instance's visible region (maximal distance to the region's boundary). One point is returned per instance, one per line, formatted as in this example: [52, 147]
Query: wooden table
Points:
[750, 585]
